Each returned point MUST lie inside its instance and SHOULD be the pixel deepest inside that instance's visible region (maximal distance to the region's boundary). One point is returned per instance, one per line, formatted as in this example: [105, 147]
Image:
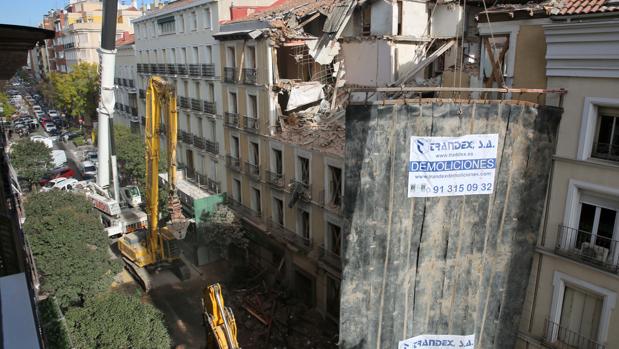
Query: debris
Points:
[304, 94]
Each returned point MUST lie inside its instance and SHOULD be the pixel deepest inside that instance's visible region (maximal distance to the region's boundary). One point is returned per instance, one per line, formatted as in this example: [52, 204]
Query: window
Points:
[250, 57]
[303, 170]
[334, 238]
[252, 110]
[197, 89]
[211, 92]
[166, 25]
[232, 106]
[181, 23]
[493, 59]
[278, 211]
[333, 297]
[400, 16]
[184, 56]
[606, 142]
[207, 18]
[208, 54]
[194, 21]
[278, 166]
[335, 186]
[213, 133]
[304, 288]
[598, 228]
[366, 20]
[255, 200]
[235, 147]
[580, 314]
[254, 153]
[196, 56]
[212, 169]
[230, 57]
[236, 189]
[303, 225]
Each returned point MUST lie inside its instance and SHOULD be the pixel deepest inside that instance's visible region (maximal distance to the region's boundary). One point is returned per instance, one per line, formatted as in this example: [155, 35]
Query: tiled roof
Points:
[285, 8]
[574, 7]
[126, 39]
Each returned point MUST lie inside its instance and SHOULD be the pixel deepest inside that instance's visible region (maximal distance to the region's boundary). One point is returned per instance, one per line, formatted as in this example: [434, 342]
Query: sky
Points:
[28, 12]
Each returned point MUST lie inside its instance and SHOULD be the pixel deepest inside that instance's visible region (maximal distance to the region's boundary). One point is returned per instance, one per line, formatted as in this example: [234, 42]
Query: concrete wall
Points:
[530, 62]
[446, 265]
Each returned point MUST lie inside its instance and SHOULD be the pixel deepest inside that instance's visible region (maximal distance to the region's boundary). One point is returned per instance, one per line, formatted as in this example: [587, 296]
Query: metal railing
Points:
[252, 169]
[232, 119]
[208, 70]
[283, 233]
[244, 211]
[199, 142]
[330, 257]
[251, 124]
[171, 69]
[229, 74]
[249, 75]
[583, 246]
[183, 102]
[213, 185]
[196, 104]
[233, 163]
[209, 107]
[140, 68]
[211, 147]
[274, 178]
[186, 137]
[329, 201]
[181, 69]
[194, 69]
[131, 83]
[561, 337]
[605, 151]
[161, 68]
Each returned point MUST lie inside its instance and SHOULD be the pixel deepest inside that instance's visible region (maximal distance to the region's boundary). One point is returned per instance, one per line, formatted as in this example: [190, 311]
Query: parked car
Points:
[37, 108]
[92, 156]
[51, 184]
[89, 170]
[49, 126]
[62, 172]
[53, 113]
[69, 135]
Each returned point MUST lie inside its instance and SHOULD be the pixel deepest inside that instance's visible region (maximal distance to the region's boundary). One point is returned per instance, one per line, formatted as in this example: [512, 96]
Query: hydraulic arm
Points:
[221, 330]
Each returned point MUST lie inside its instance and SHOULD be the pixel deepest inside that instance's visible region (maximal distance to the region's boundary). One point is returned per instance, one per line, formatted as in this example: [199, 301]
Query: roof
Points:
[574, 7]
[15, 41]
[550, 8]
[126, 39]
[283, 9]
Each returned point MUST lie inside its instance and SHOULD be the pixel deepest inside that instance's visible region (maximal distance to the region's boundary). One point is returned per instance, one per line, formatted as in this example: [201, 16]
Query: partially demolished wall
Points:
[440, 265]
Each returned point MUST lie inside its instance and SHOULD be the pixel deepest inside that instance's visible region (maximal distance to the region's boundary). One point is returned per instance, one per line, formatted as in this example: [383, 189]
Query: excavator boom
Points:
[221, 329]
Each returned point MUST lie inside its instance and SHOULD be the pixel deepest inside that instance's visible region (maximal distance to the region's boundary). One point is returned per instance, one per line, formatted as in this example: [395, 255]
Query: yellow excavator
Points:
[157, 246]
[219, 320]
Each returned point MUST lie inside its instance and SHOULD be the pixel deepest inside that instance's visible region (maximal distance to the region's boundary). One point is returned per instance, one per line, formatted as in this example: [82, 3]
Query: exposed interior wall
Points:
[530, 63]
[368, 62]
[384, 18]
[415, 18]
[475, 251]
[447, 21]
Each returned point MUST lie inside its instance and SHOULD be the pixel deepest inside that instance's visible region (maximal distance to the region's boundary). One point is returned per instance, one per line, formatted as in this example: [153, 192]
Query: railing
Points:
[181, 69]
[330, 202]
[142, 93]
[583, 246]
[561, 337]
[134, 111]
[171, 69]
[243, 210]
[211, 147]
[183, 102]
[288, 235]
[233, 163]
[213, 185]
[330, 257]
[140, 68]
[196, 104]
[186, 137]
[605, 151]
[304, 190]
[131, 83]
[194, 69]
[232, 119]
[249, 75]
[251, 124]
[229, 74]
[274, 178]
[209, 107]
[208, 70]
[161, 68]
[199, 142]
[124, 82]
[190, 173]
[252, 170]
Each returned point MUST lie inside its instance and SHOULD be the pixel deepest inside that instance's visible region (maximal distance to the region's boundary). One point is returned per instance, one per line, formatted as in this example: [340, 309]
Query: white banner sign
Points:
[448, 166]
[437, 341]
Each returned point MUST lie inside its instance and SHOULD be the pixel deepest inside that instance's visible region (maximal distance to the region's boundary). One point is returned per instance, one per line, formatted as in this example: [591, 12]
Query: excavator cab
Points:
[219, 320]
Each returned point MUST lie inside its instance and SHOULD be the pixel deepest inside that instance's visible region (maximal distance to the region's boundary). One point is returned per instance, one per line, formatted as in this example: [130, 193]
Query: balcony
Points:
[229, 74]
[233, 163]
[561, 337]
[330, 258]
[194, 70]
[582, 246]
[199, 142]
[208, 70]
[140, 68]
[196, 104]
[301, 190]
[171, 69]
[244, 211]
[142, 93]
[181, 69]
[329, 202]
[249, 76]
[131, 83]
[213, 186]
[251, 124]
[186, 137]
[275, 179]
[183, 102]
[161, 68]
[209, 107]
[124, 82]
[232, 119]
[252, 170]
[211, 147]
[287, 235]
[605, 151]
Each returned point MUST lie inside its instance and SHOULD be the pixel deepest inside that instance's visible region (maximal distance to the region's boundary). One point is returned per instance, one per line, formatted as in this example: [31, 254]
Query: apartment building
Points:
[125, 77]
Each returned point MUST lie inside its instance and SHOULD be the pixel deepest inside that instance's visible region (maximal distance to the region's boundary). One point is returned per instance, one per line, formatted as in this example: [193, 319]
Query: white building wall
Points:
[125, 68]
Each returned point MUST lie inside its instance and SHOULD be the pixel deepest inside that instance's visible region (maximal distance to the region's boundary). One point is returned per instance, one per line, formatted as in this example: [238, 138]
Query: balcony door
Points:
[598, 228]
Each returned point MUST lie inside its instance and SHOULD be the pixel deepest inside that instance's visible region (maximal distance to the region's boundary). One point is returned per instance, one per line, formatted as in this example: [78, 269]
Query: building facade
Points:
[125, 77]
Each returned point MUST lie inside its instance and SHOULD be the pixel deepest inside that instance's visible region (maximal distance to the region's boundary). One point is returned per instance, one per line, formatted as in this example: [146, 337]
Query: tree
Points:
[115, 320]
[7, 108]
[31, 160]
[222, 228]
[77, 91]
[69, 246]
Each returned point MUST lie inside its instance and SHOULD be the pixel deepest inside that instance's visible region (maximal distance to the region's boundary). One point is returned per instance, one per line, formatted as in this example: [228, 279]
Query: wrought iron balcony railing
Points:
[208, 70]
[251, 124]
[232, 119]
[229, 74]
[233, 163]
[209, 107]
[194, 69]
[183, 102]
[249, 75]
[561, 337]
[211, 147]
[140, 68]
[283, 233]
[252, 169]
[213, 186]
[605, 151]
[274, 178]
[196, 104]
[595, 250]
[199, 142]
[171, 69]
[186, 137]
[181, 69]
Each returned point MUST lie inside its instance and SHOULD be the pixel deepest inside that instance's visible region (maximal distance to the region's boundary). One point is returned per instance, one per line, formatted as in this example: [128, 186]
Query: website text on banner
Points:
[448, 166]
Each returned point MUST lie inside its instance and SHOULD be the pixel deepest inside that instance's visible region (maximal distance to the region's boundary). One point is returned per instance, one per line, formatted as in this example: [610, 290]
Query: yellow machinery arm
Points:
[220, 319]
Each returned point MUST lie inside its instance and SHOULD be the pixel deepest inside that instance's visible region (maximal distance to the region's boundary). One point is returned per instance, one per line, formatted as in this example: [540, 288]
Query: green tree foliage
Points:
[31, 159]
[222, 228]
[8, 108]
[77, 91]
[69, 246]
[54, 330]
[117, 321]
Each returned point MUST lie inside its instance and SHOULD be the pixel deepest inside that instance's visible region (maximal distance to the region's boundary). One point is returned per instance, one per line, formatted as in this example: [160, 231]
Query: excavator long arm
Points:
[220, 320]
